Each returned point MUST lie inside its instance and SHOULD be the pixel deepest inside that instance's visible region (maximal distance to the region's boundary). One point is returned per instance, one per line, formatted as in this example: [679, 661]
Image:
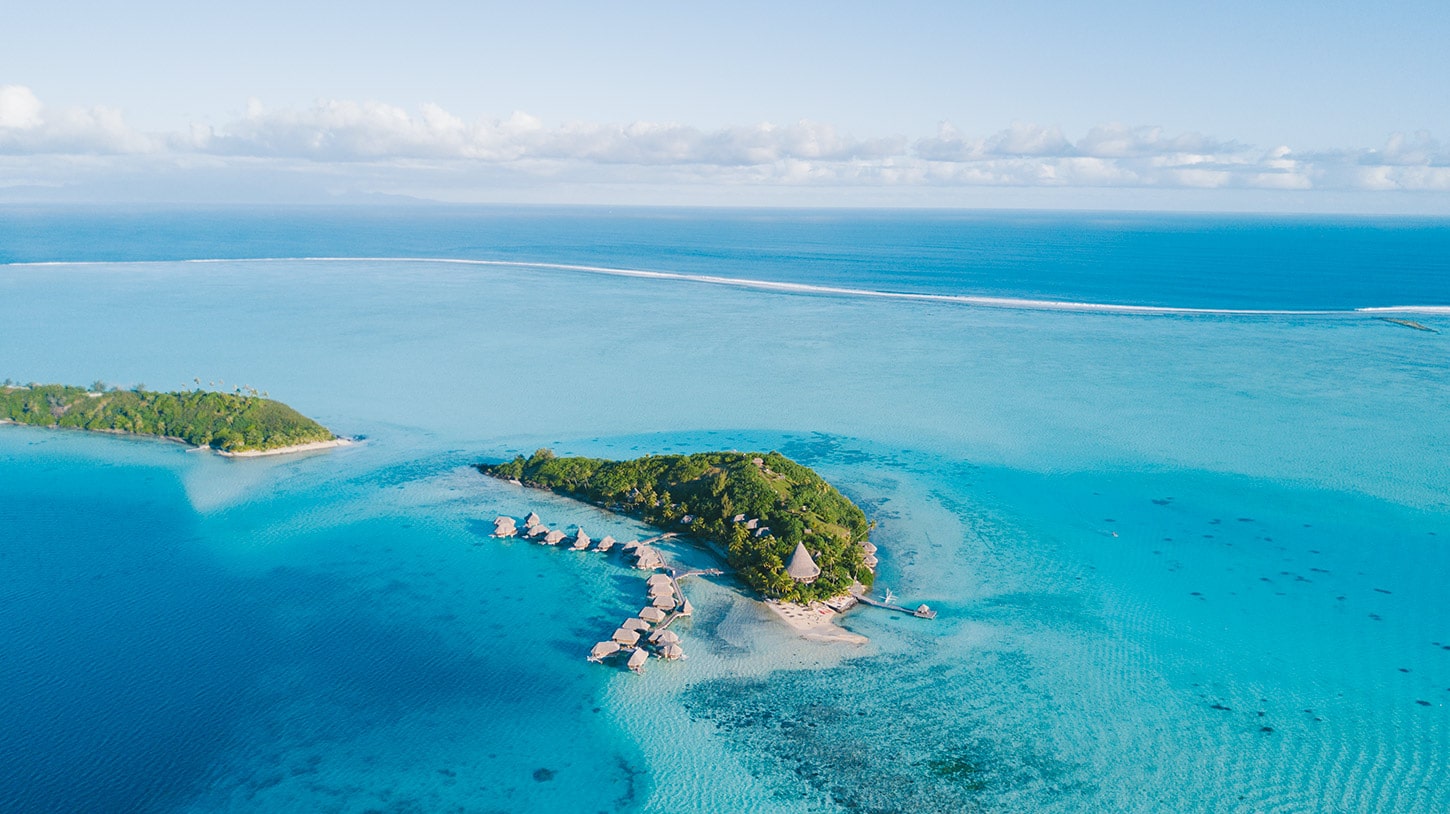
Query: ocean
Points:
[1184, 560]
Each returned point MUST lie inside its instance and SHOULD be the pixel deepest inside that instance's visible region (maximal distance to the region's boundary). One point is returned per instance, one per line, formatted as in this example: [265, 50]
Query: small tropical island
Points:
[232, 424]
[786, 532]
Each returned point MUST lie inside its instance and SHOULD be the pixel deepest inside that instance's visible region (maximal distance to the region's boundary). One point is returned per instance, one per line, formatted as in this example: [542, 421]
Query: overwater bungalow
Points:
[554, 537]
[637, 660]
[648, 558]
[664, 603]
[536, 530]
[672, 652]
[801, 567]
[686, 609]
[629, 546]
[658, 579]
[605, 544]
[603, 650]
[664, 637]
[626, 637]
[533, 520]
[634, 623]
[664, 589]
[504, 527]
[581, 541]
[652, 615]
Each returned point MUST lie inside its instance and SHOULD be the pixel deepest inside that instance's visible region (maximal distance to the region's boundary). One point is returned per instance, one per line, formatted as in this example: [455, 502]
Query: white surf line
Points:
[801, 288]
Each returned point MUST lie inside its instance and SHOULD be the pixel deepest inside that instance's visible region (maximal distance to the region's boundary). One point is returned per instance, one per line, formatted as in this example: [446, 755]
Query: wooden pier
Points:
[922, 612]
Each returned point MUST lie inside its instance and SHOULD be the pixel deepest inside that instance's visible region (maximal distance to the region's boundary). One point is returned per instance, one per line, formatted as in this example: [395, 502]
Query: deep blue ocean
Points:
[1187, 562]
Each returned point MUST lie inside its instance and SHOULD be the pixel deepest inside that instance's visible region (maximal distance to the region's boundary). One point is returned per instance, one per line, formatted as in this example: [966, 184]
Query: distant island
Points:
[786, 531]
[231, 424]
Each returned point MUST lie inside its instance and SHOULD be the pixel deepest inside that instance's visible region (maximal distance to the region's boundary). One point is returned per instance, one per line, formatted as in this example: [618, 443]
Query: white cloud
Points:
[28, 127]
[388, 145]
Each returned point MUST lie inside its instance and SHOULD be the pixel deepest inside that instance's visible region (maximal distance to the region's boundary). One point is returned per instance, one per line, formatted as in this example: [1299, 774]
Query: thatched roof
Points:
[554, 537]
[630, 546]
[666, 603]
[869, 548]
[536, 530]
[870, 561]
[626, 637]
[532, 519]
[665, 637]
[581, 541]
[603, 649]
[658, 579]
[687, 609]
[673, 652]
[637, 660]
[661, 590]
[801, 567]
[652, 615]
[606, 543]
[634, 623]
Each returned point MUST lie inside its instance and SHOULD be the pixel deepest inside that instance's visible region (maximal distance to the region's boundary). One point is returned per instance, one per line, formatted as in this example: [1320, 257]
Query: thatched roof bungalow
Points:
[605, 544]
[626, 637]
[603, 650]
[801, 567]
[652, 615]
[664, 637]
[554, 537]
[634, 623]
[581, 541]
[672, 652]
[637, 660]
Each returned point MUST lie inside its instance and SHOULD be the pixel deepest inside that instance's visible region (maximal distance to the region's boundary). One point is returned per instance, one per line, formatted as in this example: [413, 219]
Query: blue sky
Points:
[1234, 105]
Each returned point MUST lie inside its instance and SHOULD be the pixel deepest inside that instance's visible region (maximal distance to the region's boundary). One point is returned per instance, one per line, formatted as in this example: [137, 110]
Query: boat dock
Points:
[920, 612]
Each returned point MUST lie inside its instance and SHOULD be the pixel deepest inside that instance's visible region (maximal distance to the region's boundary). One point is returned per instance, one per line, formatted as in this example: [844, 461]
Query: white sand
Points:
[815, 622]
[309, 447]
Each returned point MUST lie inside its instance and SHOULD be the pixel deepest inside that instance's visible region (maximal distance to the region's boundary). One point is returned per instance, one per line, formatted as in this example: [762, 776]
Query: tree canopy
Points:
[224, 421]
[791, 501]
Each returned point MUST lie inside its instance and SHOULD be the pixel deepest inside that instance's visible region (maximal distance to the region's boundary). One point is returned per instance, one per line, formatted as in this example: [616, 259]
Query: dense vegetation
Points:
[224, 421]
[792, 501]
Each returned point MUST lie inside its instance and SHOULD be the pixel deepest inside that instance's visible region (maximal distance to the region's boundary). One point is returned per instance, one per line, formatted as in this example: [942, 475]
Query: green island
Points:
[757, 507]
[227, 422]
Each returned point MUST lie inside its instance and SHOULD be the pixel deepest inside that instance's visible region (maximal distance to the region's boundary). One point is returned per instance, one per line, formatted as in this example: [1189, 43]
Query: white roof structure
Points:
[801, 567]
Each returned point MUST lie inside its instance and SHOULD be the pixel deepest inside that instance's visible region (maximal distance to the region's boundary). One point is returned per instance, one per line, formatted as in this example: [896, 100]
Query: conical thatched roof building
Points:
[801, 567]
[652, 615]
[626, 637]
[635, 623]
[581, 541]
[605, 544]
[532, 520]
[672, 652]
[658, 579]
[554, 537]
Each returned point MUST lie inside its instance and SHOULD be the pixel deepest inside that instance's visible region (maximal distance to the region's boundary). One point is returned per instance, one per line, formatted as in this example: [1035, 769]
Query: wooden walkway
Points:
[876, 603]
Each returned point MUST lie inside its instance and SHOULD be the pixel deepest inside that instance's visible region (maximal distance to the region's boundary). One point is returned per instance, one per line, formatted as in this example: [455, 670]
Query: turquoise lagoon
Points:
[1184, 562]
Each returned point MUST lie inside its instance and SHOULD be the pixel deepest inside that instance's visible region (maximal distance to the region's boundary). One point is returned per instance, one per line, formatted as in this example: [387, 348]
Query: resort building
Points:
[801, 567]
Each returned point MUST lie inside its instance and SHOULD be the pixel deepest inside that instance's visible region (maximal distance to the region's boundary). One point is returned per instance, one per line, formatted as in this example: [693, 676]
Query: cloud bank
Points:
[371, 139]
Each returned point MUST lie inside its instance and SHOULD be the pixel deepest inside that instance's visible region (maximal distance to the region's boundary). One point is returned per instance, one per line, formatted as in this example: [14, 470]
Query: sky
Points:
[1275, 106]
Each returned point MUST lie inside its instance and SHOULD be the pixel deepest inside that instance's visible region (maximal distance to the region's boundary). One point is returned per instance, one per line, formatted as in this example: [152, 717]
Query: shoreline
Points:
[310, 446]
[245, 453]
[814, 622]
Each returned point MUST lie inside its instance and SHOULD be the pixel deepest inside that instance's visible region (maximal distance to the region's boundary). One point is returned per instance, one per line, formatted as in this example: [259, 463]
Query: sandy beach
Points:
[309, 447]
[815, 622]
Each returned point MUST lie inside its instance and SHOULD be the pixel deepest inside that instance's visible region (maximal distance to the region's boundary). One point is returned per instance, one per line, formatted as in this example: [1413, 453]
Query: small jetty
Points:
[647, 633]
[922, 611]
